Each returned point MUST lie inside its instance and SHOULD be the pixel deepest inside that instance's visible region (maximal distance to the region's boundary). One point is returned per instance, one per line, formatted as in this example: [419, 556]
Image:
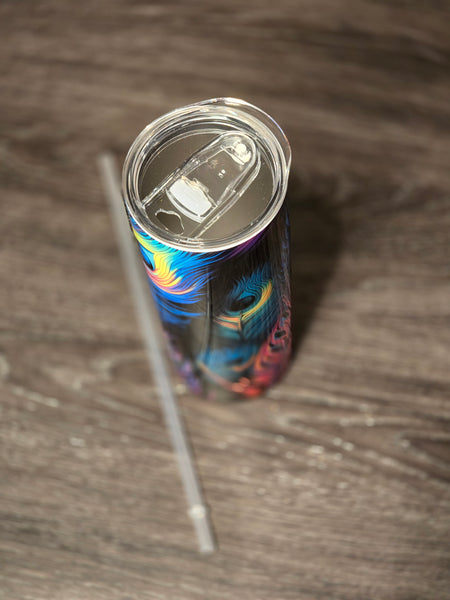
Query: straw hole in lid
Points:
[171, 220]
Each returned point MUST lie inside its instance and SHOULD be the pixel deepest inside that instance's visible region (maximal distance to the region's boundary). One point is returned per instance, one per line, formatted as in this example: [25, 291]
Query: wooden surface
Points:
[335, 485]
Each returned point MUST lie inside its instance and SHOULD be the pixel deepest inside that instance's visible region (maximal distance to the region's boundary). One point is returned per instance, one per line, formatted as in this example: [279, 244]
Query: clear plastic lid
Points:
[207, 176]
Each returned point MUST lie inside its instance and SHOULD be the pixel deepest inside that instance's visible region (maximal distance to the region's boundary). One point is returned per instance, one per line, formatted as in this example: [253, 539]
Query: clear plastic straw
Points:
[150, 332]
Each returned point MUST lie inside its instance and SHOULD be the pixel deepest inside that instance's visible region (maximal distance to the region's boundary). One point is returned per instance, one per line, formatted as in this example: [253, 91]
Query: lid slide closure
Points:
[194, 196]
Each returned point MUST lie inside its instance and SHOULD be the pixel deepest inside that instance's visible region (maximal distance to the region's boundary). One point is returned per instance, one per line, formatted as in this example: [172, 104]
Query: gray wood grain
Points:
[335, 484]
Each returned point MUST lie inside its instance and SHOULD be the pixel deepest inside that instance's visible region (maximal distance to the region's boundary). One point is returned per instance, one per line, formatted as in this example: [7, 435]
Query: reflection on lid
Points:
[191, 197]
[208, 184]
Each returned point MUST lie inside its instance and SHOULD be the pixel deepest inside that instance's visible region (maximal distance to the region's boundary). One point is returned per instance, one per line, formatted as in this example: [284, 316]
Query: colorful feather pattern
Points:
[227, 313]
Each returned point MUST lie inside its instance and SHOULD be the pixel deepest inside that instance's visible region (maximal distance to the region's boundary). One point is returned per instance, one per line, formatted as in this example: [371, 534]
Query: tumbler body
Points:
[204, 188]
